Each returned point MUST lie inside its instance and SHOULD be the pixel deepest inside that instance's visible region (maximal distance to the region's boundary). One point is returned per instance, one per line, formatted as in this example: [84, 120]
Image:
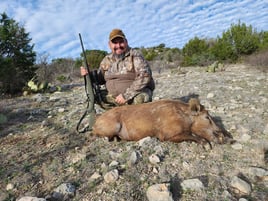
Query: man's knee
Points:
[142, 98]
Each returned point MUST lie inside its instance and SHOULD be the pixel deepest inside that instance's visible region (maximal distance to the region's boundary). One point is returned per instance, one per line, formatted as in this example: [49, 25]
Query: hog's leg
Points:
[187, 137]
[107, 129]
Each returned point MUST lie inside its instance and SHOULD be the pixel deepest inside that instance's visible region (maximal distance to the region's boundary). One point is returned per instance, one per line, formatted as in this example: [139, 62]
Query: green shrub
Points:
[61, 78]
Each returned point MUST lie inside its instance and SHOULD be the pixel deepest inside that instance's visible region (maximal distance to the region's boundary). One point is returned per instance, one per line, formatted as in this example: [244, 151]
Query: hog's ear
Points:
[194, 106]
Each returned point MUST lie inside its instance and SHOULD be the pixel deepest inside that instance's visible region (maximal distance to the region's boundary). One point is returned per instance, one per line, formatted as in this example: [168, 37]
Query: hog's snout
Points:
[219, 136]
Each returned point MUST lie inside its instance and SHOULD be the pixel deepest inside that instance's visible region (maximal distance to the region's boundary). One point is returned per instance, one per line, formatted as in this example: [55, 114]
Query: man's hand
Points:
[83, 71]
[120, 99]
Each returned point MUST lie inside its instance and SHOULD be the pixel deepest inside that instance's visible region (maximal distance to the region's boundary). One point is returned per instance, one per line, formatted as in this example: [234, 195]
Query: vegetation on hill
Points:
[18, 63]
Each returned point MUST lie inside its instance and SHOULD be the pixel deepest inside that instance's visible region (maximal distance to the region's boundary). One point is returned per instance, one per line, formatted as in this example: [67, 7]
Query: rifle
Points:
[94, 78]
[91, 94]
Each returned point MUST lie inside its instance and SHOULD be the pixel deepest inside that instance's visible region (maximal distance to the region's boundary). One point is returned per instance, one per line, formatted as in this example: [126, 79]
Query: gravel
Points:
[40, 150]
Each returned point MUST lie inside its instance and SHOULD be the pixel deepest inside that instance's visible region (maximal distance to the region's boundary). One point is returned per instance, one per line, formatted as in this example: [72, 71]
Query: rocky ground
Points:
[41, 155]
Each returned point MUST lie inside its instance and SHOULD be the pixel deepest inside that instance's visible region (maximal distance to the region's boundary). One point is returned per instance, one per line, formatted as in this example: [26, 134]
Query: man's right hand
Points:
[83, 71]
[120, 99]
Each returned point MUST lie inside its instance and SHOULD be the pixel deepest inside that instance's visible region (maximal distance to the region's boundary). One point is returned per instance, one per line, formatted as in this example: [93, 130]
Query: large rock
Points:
[240, 186]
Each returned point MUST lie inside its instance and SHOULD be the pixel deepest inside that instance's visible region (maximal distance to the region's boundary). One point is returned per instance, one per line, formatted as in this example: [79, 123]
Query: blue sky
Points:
[54, 24]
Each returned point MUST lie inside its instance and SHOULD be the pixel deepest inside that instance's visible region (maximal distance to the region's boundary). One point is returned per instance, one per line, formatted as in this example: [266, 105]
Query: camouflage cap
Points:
[116, 33]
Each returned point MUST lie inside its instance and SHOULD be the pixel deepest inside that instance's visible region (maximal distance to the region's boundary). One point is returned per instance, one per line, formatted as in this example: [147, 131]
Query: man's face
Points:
[118, 46]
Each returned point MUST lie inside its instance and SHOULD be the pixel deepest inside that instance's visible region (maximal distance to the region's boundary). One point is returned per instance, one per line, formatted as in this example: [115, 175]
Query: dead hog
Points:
[167, 120]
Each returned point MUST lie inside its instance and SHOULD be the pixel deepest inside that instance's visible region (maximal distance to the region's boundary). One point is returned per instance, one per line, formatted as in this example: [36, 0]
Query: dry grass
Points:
[259, 60]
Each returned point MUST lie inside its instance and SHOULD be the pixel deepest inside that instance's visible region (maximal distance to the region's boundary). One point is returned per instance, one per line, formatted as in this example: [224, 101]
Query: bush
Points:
[16, 56]
[197, 53]
[237, 41]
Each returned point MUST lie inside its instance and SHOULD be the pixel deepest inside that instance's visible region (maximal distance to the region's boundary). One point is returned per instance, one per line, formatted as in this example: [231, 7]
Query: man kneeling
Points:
[125, 73]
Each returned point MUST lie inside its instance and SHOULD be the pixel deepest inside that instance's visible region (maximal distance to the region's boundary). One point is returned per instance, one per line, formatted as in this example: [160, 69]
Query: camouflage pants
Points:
[143, 97]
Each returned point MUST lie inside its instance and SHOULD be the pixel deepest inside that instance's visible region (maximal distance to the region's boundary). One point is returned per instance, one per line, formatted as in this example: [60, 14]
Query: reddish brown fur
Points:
[168, 120]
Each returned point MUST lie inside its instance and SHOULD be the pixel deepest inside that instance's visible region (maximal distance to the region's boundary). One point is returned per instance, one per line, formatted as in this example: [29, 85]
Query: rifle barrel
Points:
[84, 53]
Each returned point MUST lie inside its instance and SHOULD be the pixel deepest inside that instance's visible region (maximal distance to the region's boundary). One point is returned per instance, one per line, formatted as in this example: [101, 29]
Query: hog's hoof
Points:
[206, 144]
[114, 139]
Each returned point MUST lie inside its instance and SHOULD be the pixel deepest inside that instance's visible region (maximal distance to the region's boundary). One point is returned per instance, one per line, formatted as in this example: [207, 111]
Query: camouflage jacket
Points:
[128, 74]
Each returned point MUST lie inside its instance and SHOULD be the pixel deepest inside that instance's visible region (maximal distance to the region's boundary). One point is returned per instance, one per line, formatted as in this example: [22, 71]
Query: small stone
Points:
[186, 165]
[134, 157]
[159, 150]
[210, 95]
[100, 191]
[227, 194]
[114, 155]
[10, 187]
[257, 172]
[44, 123]
[28, 198]
[154, 159]
[111, 176]
[95, 176]
[156, 98]
[64, 190]
[159, 192]
[77, 157]
[233, 127]
[61, 110]
[143, 141]
[192, 184]
[54, 99]
[155, 170]
[220, 110]
[38, 98]
[245, 138]
[113, 163]
[237, 146]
